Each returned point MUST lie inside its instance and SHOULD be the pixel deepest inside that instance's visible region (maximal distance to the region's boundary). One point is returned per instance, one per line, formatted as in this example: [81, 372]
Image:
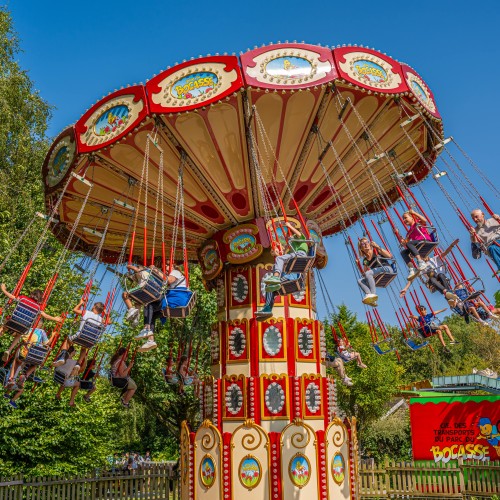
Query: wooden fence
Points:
[429, 480]
[157, 482]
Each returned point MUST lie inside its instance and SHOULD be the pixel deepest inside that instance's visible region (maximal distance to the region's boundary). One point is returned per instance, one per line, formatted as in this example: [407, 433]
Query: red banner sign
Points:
[446, 430]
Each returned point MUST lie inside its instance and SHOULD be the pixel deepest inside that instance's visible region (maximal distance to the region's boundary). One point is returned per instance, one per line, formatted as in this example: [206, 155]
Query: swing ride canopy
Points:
[327, 129]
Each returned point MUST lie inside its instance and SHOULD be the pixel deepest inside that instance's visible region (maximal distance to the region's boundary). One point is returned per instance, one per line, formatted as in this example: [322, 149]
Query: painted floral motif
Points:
[275, 397]
[338, 468]
[111, 120]
[300, 470]
[305, 341]
[234, 399]
[313, 397]
[250, 472]
[273, 340]
[237, 342]
[207, 471]
[239, 288]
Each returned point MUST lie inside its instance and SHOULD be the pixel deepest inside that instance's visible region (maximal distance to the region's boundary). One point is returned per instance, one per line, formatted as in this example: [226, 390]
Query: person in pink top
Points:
[416, 233]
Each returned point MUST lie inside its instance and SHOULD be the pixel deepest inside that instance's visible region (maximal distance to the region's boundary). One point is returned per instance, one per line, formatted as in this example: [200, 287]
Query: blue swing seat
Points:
[23, 316]
[36, 354]
[413, 345]
[378, 348]
[179, 302]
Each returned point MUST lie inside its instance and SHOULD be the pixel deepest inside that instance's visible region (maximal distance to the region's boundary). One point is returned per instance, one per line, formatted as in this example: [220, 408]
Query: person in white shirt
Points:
[138, 275]
[176, 296]
[69, 369]
[93, 315]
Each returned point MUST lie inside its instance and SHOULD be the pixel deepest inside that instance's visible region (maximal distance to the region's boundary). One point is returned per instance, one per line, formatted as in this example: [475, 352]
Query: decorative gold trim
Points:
[337, 438]
[295, 439]
[250, 457]
[185, 450]
[301, 455]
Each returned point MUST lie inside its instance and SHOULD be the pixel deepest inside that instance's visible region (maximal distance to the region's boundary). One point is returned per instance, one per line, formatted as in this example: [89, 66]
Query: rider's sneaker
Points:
[144, 333]
[150, 344]
[132, 313]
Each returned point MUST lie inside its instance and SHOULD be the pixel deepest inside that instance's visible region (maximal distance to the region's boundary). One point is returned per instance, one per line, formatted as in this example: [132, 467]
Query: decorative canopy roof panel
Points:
[329, 130]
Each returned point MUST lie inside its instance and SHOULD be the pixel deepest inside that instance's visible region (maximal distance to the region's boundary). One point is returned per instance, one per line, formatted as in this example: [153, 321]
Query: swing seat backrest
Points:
[23, 316]
[90, 333]
[59, 377]
[291, 284]
[301, 263]
[36, 354]
[425, 247]
[150, 290]
[183, 296]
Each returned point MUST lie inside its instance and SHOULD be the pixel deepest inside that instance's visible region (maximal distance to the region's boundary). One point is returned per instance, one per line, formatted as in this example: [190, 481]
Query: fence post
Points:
[461, 477]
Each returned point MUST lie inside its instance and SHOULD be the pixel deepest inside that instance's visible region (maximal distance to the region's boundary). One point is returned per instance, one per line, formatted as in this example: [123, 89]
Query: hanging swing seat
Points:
[425, 247]
[184, 296]
[119, 382]
[149, 288]
[383, 280]
[470, 284]
[413, 345]
[171, 379]
[383, 346]
[23, 316]
[291, 284]
[59, 377]
[89, 334]
[36, 354]
[187, 380]
[300, 263]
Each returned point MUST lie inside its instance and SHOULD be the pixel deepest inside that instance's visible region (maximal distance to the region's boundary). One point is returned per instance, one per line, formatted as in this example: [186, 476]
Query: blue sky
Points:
[76, 52]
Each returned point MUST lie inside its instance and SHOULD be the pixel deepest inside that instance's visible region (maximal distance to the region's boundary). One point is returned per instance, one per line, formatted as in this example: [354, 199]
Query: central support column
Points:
[269, 429]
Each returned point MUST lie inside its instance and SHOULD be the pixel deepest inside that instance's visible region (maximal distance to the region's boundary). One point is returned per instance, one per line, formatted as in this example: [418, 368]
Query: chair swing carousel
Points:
[315, 135]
